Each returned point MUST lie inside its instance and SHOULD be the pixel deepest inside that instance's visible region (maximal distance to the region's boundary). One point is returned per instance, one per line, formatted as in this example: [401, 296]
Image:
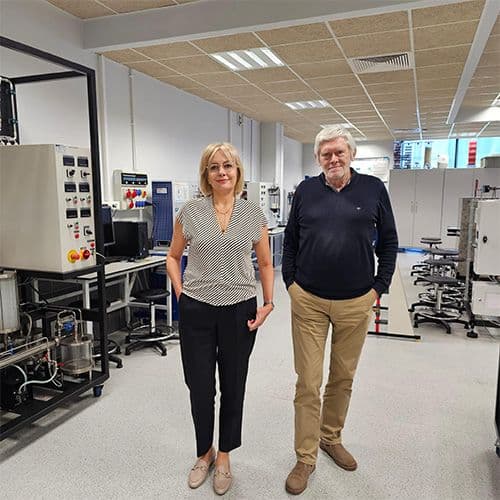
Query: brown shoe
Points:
[199, 472]
[222, 481]
[339, 455]
[296, 482]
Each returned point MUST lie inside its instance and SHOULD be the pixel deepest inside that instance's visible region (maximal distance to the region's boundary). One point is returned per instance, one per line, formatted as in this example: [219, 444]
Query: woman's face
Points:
[222, 173]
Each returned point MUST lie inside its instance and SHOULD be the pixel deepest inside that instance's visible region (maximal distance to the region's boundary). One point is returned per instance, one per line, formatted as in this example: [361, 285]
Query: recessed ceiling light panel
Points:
[298, 105]
[241, 60]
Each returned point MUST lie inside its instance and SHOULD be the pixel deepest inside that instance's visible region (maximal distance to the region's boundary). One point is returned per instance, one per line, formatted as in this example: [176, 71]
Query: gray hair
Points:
[332, 132]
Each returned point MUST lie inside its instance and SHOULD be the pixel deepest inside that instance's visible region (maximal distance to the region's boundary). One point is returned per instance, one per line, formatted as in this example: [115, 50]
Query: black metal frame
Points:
[38, 410]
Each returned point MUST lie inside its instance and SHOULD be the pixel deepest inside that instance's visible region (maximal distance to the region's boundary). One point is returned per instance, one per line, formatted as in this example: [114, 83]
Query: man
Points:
[336, 222]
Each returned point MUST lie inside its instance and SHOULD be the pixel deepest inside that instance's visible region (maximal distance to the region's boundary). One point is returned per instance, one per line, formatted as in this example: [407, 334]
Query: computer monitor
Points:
[107, 225]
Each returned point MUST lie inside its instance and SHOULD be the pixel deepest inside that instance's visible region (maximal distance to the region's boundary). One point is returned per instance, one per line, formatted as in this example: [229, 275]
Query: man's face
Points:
[335, 158]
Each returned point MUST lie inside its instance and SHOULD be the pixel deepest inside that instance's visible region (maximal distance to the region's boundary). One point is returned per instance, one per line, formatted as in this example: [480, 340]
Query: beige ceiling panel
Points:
[151, 68]
[490, 59]
[344, 92]
[122, 6]
[268, 75]
[296, 53]
[387, 77]
[440, 83]
[331, 82]
[441, 56]
[125, 56]
[444, 35]
[181, 82]
[348, 100]
[169, 50]
[346, 108]
[195, 64]
[83, 10]
[321, 114]
[186, 1]
[241, 91]
[434, 93]
[370, 24]
[439, 71]
[297, 96]
[496, 28]
[221, 79]
[389, 88]
[230, 42]
[262, 101]
[485, 81]
[295, 34]
[493, 44]
[451, 13]
[393, 97]
[376, 43]
[206, 93]
[282, 87]
[325, 68]
[487, 71]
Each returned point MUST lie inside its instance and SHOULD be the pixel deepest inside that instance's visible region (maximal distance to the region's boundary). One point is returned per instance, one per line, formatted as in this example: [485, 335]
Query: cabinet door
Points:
[428, 202]
[402, 194]
[458, 183]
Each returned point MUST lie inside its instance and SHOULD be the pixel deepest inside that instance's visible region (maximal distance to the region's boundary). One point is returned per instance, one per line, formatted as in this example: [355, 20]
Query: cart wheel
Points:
[472, 334]
[120, 364]
[498, 451]
[97, 390]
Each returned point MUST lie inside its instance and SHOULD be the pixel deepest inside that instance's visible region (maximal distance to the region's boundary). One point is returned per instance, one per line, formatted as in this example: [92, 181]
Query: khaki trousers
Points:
[311, 319]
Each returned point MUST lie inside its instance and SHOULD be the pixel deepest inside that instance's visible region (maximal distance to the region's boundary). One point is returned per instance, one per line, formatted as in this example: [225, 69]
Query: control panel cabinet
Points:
[131, 189]
[46, 208]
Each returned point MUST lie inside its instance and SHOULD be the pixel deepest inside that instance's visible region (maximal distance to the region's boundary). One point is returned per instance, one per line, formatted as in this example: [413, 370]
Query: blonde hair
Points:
[206, 157]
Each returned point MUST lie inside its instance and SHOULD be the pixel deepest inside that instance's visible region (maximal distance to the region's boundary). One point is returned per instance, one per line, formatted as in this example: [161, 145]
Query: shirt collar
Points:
[323, 178]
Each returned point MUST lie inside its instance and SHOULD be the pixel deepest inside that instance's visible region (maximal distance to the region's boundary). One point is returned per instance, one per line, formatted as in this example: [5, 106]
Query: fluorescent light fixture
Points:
[276, 60]
[226, 63]
[307, 105]
[240, 60]
[256, 58]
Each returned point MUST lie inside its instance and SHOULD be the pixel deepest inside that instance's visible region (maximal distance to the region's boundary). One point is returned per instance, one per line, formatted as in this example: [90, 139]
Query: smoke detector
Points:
[378, 64]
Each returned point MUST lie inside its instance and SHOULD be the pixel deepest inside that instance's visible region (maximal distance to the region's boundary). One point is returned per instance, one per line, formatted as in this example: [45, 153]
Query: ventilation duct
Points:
[377, 64]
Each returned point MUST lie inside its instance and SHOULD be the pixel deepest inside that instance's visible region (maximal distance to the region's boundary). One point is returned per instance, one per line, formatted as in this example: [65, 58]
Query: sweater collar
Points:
[350, 181]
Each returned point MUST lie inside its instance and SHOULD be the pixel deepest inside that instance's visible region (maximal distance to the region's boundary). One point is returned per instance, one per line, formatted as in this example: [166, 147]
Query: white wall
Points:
[375, 149]
[292, 171]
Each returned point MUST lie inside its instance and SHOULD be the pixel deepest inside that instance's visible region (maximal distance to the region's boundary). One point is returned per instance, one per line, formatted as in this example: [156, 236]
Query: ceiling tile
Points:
[490, 59]
[331, 82]
[349, 108]
[485, 71]
[493, 44]
[376, 43]
[387, 77]
[83, 10]
[326, 68]
[168, 50]
[268, 75]
[496, 28]
[295, 53]
[240, 41]
[347, 100]
[195, 64]
[179, 81]
[370, 24]
[236, 91]
[444, 35]
[451, 13]
[151, 68]
[295, 34]
[440, 56]
[439, 71]
[220, 79]
[388, 88]
[122, 6]
[282, 87]
[441, 83]
[125, 56]
[354, 91]
[262, 102]
[307, 95]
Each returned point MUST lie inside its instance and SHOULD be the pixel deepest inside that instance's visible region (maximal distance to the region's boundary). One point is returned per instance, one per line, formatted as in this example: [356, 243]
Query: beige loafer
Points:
[199, 472]
[222, 481]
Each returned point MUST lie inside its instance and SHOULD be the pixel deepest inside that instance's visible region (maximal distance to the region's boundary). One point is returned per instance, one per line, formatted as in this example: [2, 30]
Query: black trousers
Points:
[210, 336]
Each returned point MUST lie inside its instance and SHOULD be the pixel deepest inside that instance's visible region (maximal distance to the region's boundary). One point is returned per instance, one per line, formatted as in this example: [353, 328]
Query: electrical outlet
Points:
[115, 205]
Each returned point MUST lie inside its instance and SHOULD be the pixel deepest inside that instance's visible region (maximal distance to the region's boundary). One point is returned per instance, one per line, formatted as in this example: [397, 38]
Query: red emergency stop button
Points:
[85, 254]
[73, 256]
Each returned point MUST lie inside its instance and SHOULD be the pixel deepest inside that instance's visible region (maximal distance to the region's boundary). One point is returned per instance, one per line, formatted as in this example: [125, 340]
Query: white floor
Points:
[421, 425]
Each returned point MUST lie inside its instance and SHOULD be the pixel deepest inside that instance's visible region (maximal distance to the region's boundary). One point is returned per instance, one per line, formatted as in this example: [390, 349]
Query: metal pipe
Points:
[31, 351]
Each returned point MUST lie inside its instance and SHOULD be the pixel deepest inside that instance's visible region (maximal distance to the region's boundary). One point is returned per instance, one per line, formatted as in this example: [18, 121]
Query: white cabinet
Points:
[416, 197]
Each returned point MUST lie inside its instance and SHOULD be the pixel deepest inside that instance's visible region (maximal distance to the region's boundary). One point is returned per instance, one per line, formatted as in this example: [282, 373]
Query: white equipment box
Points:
[130, 189]
[46, 208]
[487, 253]
[485, 298]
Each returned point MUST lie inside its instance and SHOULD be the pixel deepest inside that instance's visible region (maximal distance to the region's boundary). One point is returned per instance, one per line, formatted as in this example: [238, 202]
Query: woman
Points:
[218, 313]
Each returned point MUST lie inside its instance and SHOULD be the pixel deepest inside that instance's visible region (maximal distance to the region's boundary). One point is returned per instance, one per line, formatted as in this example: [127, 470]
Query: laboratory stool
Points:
[113, 350]
[433, 242]
[440, 314]
[149, 335]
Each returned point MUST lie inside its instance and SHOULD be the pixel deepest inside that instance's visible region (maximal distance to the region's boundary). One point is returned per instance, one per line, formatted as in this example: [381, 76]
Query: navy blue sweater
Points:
[331, 237]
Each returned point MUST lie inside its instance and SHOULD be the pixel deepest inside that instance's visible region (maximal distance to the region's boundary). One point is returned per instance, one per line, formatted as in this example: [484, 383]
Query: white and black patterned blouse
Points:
[219, 269]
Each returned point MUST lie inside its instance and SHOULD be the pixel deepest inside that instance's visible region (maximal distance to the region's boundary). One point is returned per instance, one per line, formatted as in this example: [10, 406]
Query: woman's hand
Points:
[260, 317]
